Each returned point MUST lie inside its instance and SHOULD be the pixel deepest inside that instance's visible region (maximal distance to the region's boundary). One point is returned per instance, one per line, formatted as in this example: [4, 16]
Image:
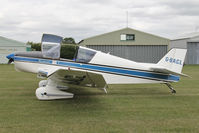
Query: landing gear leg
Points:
[171, 88]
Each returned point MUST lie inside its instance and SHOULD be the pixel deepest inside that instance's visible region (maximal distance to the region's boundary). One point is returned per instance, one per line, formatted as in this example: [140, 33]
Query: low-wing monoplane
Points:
[91, 68]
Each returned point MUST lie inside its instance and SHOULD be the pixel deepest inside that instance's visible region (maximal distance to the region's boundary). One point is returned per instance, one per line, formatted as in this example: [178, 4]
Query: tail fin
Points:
[173, 60]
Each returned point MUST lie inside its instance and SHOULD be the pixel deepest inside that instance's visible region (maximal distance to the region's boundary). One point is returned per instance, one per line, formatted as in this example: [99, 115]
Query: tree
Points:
[68, 40]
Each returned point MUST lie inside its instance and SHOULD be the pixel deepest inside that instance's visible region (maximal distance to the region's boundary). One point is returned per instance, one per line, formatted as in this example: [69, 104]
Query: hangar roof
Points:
[5, 42]
[187, 36]
[114, 38]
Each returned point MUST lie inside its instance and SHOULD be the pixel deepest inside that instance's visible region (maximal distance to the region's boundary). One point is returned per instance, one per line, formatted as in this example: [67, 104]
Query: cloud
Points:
[26, 20]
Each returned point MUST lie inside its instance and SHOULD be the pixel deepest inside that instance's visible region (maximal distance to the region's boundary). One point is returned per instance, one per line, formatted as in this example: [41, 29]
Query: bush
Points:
[68, 51]
[35, 46]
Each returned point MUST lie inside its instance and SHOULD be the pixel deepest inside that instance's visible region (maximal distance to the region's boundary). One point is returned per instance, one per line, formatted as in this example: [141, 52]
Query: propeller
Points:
[10, 58]
[10, 61]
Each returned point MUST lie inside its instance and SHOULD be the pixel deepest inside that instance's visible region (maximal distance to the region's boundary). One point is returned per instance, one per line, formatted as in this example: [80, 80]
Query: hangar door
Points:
[193, 52]
[138, 53]
[3, 54]
[3, 59]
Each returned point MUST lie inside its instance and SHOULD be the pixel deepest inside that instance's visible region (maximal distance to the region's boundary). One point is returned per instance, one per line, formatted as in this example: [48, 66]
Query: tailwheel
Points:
[173, 91]
[171, 88]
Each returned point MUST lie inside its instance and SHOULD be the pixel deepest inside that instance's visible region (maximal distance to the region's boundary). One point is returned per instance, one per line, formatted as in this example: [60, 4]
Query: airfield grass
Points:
[149, 108]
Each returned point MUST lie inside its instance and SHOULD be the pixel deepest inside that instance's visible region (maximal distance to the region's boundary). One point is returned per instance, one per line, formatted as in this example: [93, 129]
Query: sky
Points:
[27, 20]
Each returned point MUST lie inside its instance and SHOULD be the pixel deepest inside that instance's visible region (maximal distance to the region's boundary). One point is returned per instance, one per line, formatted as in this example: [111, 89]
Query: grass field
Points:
[125, 109]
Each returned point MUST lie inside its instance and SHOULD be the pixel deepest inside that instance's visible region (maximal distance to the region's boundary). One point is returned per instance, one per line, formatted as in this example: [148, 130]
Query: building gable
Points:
[5, 42]
[114, 38]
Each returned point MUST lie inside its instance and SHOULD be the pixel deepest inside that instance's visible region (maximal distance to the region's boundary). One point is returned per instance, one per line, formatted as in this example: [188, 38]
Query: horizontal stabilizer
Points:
[167, 71]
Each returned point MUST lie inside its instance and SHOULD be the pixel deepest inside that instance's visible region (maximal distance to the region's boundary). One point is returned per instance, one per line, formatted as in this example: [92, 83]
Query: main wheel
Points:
[42, 83]
[173, 91]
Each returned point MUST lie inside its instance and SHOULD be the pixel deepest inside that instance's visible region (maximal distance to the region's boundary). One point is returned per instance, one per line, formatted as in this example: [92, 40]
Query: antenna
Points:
[127, 19]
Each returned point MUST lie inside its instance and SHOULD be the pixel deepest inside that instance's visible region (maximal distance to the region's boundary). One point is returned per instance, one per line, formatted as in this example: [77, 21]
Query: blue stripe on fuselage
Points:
[105, 69]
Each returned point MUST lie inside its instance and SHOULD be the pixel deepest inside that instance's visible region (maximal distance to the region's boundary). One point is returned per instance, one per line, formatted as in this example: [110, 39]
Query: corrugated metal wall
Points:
[180, 43]
[139, 53]
[3, 59]
[193, 53]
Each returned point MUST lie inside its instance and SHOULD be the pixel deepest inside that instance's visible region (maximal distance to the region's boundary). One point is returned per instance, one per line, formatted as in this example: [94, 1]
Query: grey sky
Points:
[27, 20]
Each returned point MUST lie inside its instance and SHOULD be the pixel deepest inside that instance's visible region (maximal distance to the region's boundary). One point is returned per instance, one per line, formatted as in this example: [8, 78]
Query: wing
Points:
[59, 80]
[72, 78]
[75, 78]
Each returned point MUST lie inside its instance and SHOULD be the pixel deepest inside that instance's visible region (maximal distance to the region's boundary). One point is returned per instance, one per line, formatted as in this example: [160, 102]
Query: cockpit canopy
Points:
[51, 48]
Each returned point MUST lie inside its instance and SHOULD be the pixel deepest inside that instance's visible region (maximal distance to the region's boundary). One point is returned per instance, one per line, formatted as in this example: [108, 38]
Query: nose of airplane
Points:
[10, 58]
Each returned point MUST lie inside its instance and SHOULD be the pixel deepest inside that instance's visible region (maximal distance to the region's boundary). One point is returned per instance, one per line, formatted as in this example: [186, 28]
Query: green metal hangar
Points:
[8, 46]
[130, 44]
[191, 43]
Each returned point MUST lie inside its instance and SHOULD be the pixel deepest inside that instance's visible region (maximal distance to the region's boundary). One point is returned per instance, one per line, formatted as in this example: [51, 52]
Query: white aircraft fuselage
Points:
[92, 68]
[115, 70]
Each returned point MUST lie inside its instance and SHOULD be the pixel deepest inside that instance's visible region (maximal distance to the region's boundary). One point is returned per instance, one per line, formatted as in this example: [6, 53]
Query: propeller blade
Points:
[10, 61]
[10, 58]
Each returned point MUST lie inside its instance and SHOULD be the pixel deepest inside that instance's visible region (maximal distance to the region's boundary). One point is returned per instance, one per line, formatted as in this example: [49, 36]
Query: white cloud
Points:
[26, 20]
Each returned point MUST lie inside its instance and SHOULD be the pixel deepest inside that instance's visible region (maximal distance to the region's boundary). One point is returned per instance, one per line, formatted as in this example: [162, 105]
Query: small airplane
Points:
[92, 68]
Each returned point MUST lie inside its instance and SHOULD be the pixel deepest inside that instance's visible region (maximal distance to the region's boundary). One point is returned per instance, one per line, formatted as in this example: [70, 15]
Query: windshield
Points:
[84, 55]
[51, 45]
[51, 51]
[52, 48]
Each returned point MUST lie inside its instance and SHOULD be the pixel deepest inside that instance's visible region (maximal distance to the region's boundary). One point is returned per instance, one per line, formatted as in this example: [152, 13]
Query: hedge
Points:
[68, 51]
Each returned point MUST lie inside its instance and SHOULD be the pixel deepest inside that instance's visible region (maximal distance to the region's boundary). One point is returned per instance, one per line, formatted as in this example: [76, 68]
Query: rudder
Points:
[173, 60]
